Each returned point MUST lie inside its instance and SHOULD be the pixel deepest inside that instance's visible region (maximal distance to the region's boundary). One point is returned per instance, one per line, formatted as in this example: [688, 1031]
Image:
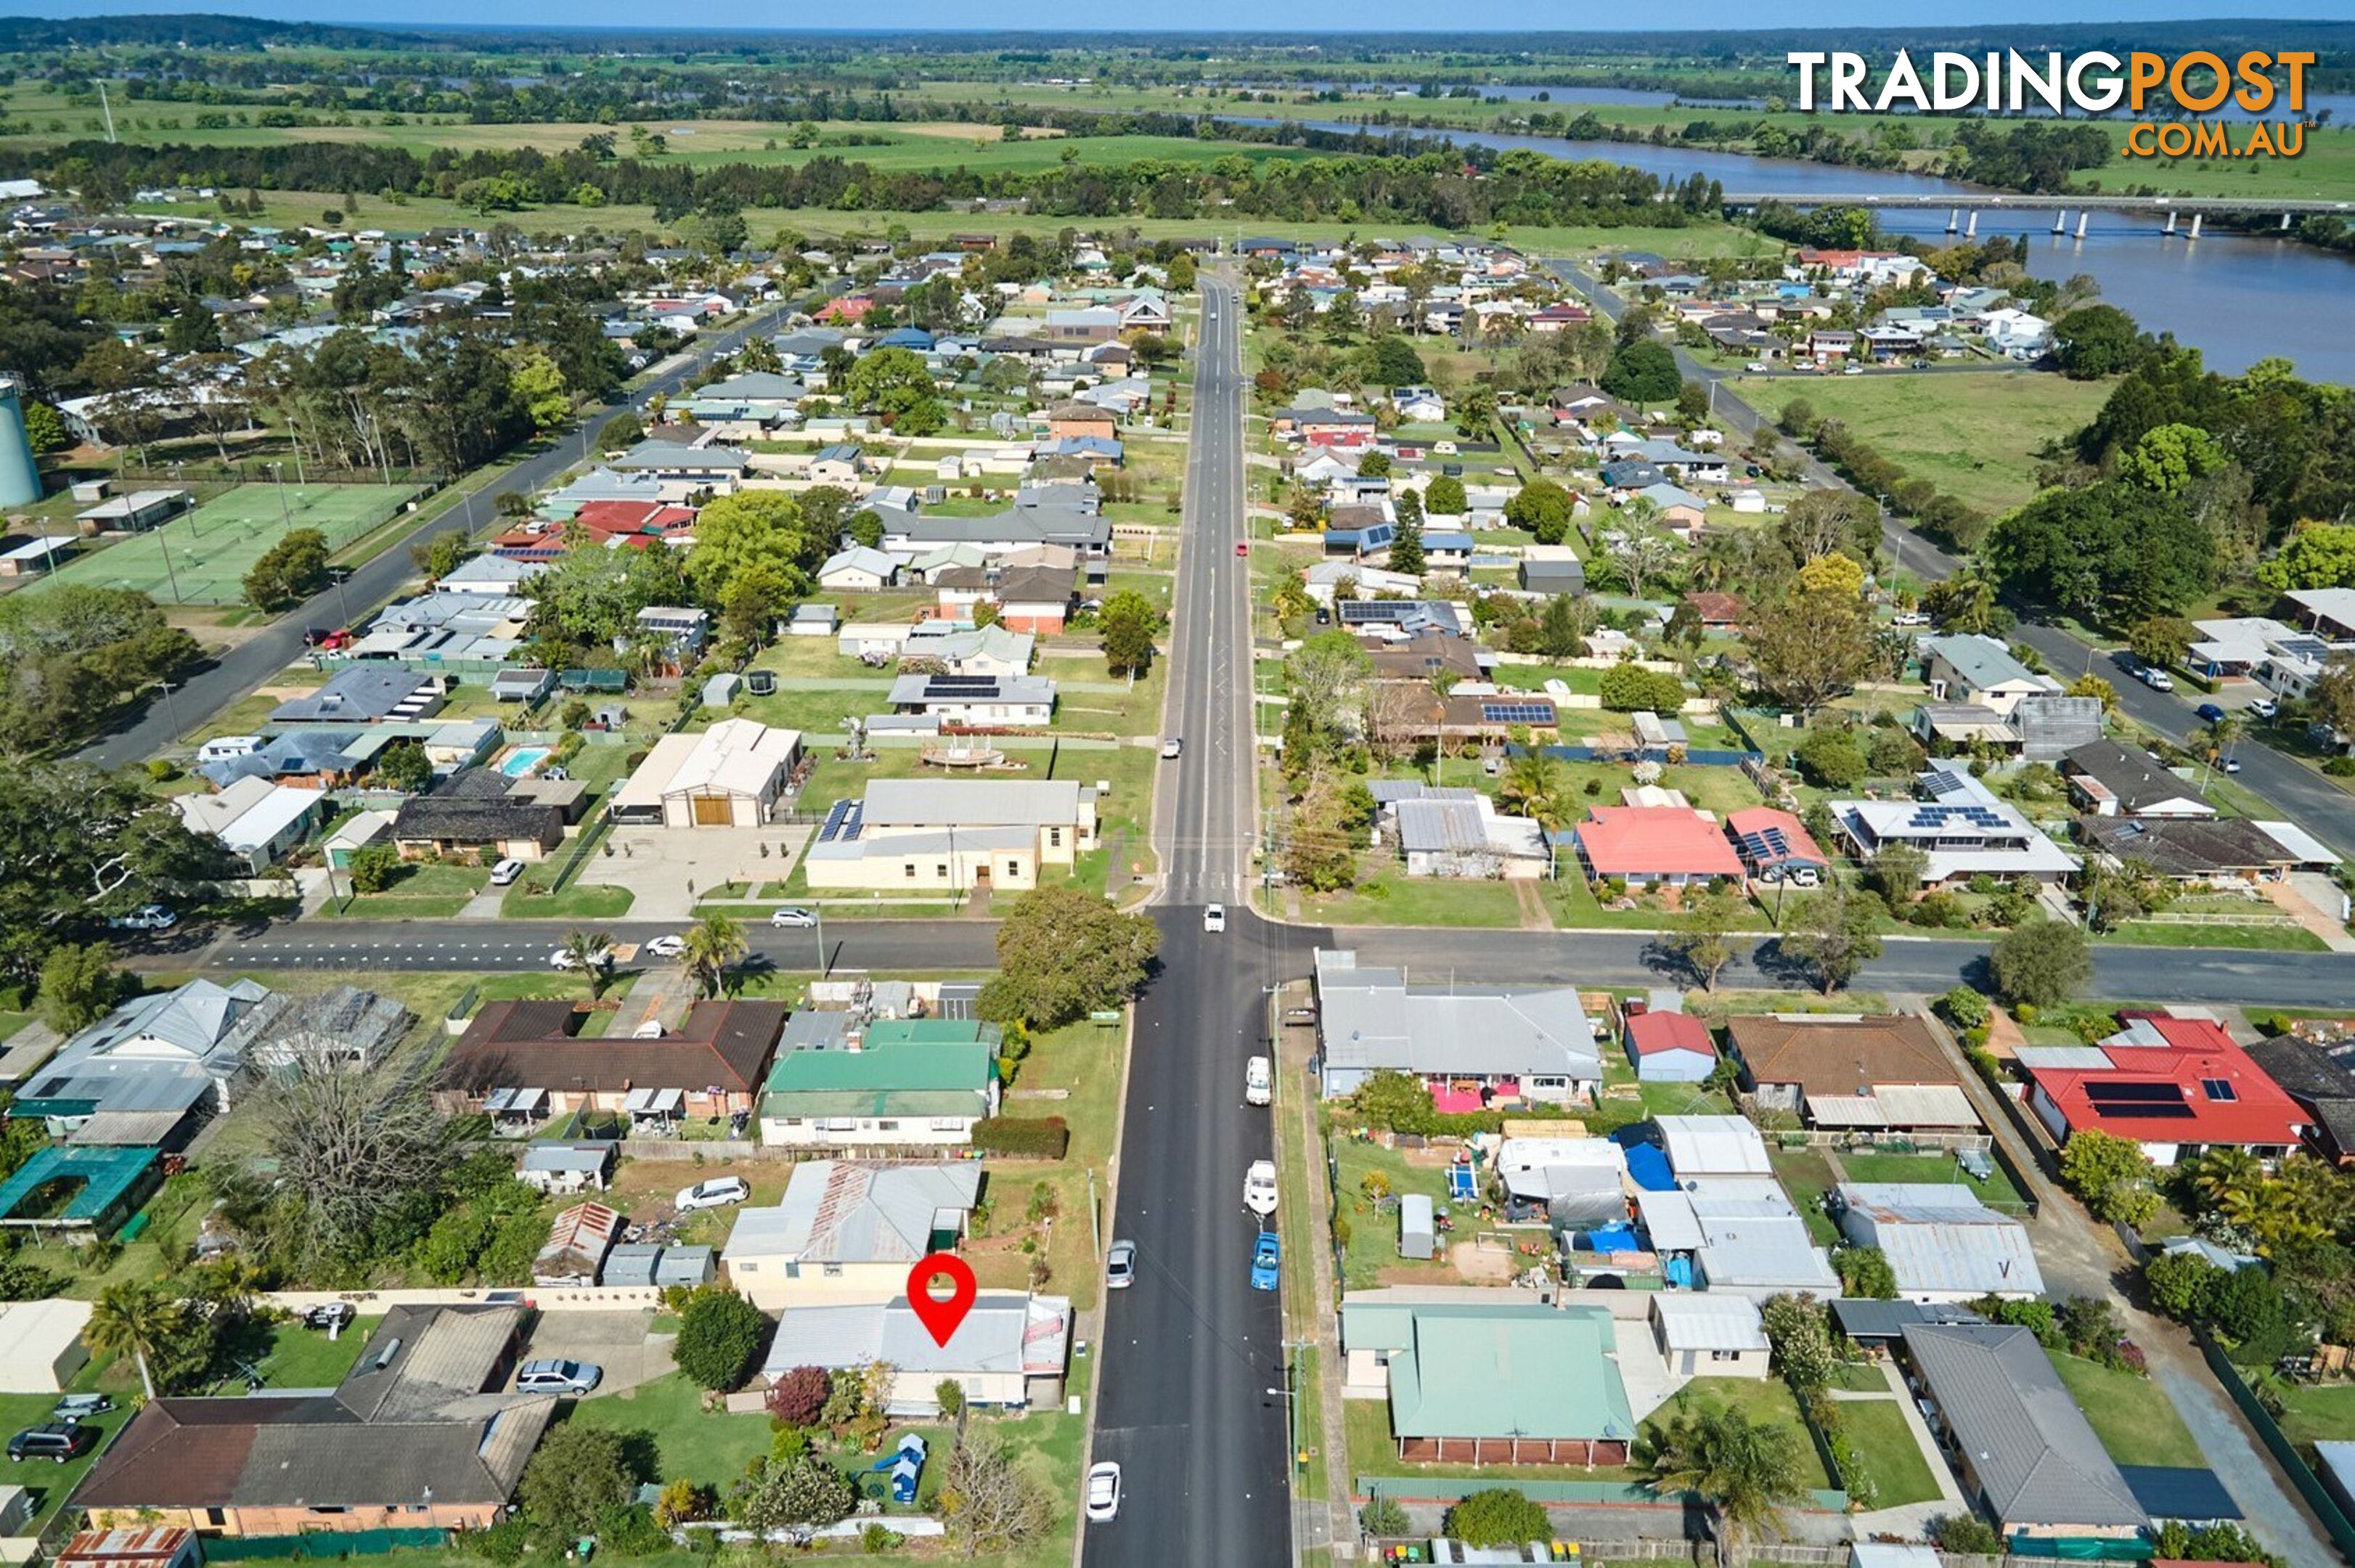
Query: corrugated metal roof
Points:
[2035, 1454]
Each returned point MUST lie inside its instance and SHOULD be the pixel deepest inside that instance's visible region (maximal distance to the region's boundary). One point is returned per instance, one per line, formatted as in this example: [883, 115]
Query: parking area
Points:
[623, 1343]
[668, 868]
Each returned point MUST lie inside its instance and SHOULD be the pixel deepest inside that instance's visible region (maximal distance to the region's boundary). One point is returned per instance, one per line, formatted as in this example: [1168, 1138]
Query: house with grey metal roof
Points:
[1512, 1043]
[847, 1231]
[2023, 1451]
[1942, 1243]
[1966, 667]
[367, 694]
[1008, 1352]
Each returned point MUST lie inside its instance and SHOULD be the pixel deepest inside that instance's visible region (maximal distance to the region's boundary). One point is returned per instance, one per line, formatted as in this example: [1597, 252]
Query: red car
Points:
[1243, 546]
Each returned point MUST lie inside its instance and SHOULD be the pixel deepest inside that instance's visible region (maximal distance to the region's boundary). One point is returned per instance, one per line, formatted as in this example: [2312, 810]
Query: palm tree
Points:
[592, 952]
[137, 1317]
[713, 944]
[2222, 1172]
[1741, 1471]
[1532, 780]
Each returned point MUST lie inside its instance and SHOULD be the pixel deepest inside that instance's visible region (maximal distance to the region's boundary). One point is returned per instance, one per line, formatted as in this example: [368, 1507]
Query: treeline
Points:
[1947, 518]
[1373, 179]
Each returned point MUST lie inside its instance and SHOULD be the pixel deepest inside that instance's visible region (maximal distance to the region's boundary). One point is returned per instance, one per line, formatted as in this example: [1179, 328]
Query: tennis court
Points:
[212, 547]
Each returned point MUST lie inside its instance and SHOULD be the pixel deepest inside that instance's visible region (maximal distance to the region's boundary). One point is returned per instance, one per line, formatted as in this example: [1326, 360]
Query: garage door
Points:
[714, 811]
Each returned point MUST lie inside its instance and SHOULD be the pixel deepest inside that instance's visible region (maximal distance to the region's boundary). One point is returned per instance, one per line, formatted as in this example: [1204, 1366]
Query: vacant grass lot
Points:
[1973, 433]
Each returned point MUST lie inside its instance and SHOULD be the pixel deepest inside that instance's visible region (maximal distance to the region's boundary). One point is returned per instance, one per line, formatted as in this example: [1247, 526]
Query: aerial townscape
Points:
[1521, 808]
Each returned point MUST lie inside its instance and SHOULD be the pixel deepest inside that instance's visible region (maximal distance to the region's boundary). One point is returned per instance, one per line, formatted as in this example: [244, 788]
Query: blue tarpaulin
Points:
[1613, 1239]
[1648, 1164]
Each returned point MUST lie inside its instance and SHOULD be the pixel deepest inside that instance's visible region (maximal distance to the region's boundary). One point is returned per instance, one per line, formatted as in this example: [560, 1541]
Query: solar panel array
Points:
[960, 685]
[1934, 817]
[1766, 844]
[843, 820]
[2149, 1102]
[1517, 713]
[2219, 1090]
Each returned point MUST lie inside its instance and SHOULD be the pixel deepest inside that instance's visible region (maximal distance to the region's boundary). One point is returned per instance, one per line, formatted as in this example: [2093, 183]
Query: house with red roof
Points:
[1670, 1047]
[2177, 1086]
[1774, 844]
[1649, 845]
[850, 310]
[616, 525]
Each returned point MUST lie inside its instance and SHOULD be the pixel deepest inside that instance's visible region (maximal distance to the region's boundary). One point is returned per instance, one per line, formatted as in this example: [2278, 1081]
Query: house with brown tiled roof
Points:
[1886, 1070]
[416, 1436]
[552, 1055]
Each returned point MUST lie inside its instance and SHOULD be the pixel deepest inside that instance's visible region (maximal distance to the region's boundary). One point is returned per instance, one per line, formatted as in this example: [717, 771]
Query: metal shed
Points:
[631, 1264]
[1418, 1235]
[685, 1266]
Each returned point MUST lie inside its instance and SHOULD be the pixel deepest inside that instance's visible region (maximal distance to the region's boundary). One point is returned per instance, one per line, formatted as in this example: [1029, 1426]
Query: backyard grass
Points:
[2130, 1414]
[1806, 1176]
[52, 1484]
[707, 1446]
[1974, 434]
[1996, 1191]
[1891, 1457]
[1370, 1256]
[2312, 1415]
[308, 1357]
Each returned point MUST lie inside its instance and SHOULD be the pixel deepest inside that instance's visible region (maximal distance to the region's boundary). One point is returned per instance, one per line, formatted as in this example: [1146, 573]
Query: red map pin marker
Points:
[941, 1315]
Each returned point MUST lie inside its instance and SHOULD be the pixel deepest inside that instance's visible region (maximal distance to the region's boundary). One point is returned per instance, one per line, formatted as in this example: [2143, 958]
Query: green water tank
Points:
[20, 480]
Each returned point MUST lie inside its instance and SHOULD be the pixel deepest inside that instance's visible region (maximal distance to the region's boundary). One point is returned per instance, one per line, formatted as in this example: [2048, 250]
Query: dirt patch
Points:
[1484, 1266]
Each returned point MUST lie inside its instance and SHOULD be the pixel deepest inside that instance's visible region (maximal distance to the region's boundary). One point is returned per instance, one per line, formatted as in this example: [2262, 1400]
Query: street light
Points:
[171, 710]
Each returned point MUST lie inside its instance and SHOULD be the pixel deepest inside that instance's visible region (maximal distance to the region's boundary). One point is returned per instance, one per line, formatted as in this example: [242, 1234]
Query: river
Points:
[2237, 298]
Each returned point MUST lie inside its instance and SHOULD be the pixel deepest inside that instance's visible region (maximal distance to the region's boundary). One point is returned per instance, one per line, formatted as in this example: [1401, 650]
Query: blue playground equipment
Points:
[1462, 1187]
[904, 1465]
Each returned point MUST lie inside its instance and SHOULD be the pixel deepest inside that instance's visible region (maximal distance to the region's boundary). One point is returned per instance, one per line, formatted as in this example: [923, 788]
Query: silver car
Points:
[1120, 1266]
[575, 1378]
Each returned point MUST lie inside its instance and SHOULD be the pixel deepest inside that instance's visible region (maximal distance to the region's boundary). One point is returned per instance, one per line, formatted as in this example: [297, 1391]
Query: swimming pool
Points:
[523, 760]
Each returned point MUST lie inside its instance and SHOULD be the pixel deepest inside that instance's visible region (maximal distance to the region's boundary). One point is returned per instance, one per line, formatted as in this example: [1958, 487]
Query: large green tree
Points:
[1741, 1471]
[2105, 548]
[1642, 373]
[894, 384]
[1128, 622]
[1063, 952]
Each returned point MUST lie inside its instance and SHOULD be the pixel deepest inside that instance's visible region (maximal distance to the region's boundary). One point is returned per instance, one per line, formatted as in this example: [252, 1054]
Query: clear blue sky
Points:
[1209, 14]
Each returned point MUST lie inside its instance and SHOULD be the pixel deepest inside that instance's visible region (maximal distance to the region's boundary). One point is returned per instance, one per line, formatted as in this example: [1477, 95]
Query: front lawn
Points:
[706, 1447]
[51, 1484]
[308, 1357]
[582, 901]
[1370, 1256]
[1393, 898]
[2266, 935]
[421, 891]
[2130, 1414]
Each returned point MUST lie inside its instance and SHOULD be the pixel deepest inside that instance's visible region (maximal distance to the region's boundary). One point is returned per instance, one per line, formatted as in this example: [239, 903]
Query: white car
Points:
[566, 959]
[1259, 1188]
[2265, 708]
[1172, 748]
[796, 919]
[1756, 366]
[671, 946]
[1214, 918]
[146, 917]
[1853, 371]
[1103, 1492]
[716, 1193]
[505, 873]
[2156, 678]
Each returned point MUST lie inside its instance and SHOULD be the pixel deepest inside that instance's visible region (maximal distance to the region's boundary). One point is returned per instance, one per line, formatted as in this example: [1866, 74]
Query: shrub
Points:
[1384, 1517]
[1631, 688]
[719, 1336]
[630, 1530]
[1498, 1516]
[503, 1542]
[1966, 1535]
[1034, 1138]
[1831, 759]
[1964, 1007]
[798, 1398]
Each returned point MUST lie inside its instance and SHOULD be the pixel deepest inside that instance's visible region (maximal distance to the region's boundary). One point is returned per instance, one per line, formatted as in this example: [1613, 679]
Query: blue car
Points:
[1265, 1255]
[2210, 713]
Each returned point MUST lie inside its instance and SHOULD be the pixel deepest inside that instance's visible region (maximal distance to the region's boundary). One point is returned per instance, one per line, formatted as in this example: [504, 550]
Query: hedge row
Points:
[1032, 1138]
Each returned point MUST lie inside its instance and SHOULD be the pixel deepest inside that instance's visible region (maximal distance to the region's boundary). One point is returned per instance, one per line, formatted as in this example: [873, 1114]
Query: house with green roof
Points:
[888, 1084]
[1474, 1382]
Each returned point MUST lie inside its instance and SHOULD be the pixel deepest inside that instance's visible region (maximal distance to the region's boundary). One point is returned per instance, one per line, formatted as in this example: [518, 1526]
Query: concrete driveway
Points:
[669, 868]
[620, 1342]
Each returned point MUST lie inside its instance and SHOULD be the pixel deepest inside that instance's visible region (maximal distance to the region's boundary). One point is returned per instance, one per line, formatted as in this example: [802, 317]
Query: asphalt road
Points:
[2313, 802]
[249, 663]
[1188, 1354]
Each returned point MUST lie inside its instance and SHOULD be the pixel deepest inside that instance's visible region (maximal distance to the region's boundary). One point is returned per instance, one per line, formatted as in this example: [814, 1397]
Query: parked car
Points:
[1120, 1266]
[1243, 546]
[794, 919]
[1266, 1252]
[1853, 371]
[505, 873]
[1173, 748]
[716, 1193]
[565, 958]
[1259, 1081]
[1214, 918]
[59, 1441]
[1755, 366]
[671, 946]
[1908, 618]
[80, 1407]
[2265, 708]
[326, 1315]
[2211, 713]
[1103, 1492]
[1259, 1187]
[2230, 765]
[575, 1378]
[2153, 677]
[146, 917]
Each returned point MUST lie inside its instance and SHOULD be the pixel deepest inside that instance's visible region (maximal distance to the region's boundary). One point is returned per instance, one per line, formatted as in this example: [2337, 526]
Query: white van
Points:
[1259, 1081]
